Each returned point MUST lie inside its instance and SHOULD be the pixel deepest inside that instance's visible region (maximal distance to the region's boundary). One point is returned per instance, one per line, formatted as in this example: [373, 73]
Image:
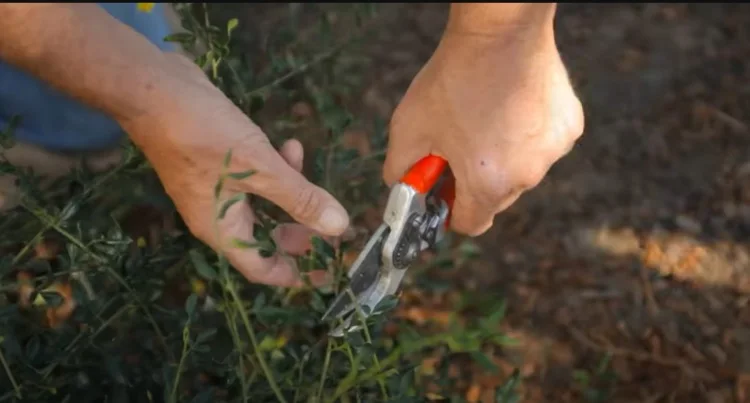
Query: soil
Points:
[637, 243]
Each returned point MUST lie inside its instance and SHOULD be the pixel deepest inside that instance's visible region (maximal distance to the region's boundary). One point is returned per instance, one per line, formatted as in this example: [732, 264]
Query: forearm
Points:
[496, 18]
[83, 51]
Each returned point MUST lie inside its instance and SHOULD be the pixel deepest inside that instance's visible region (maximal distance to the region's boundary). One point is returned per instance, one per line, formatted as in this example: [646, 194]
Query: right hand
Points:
[495, 102]
[186, 137]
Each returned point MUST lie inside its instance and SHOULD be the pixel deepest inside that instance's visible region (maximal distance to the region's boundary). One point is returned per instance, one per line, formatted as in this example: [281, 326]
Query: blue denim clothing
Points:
[53, 120]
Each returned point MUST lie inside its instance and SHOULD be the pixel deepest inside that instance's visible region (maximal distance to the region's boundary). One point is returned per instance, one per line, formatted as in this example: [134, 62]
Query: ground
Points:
[636, 243]
[635, 247]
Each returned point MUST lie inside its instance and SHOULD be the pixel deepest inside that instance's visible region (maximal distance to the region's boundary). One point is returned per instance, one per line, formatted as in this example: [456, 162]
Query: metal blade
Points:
[363, 274]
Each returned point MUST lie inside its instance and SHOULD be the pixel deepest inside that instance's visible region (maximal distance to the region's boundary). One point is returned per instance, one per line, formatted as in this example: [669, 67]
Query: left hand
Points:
[186, 138]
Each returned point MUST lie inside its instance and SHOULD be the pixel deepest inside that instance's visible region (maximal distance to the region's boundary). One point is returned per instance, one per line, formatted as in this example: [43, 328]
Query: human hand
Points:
[498, 106]
[186, 140]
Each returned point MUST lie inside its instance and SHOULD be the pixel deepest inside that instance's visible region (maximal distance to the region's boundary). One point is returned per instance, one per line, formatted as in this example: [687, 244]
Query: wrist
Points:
[496, 31]
[152, 97]
[497, 19]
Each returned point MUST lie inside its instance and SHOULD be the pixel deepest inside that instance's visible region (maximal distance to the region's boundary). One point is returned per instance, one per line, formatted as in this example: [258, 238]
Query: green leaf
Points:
[32, 348]
[484, 361]
[505, 340]
[6, 135]
[228, 158]
[231, 25]
[469, 249]
[317, 304]
[180, 37]
[229, 203]
[242, 244]
[581, 376]
[355, 339]
[386, 304]
[604, 363]
[257, 102]
[201, 60]
[507, 392]
[190, 304]
[201, 348]
[201, 265]
[219, 186]
[214, 29]
[493, 321]
[52, 298]
[366, 351]
[242, 175]
[205, 396]
[205, 335]
[406, 383]
[322, 248]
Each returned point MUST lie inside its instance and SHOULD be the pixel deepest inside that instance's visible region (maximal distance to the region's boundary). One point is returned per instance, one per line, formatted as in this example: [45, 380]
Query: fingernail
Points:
[333, 220]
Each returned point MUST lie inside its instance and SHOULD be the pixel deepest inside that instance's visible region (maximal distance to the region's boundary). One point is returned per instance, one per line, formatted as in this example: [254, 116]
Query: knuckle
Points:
[307, 203]
[477, 231]
[397, 118]
[531, 175]
[253, 147]
[472, 229]
[577, 121]
[572, 124]
[491, 185]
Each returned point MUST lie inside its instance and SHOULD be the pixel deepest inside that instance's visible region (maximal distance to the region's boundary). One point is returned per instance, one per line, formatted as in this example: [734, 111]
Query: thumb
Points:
[307, 203]
[405, 148]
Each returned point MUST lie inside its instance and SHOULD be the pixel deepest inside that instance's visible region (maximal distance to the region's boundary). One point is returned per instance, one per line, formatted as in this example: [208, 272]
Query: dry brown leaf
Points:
[372, 218]
[47, 249]
[58, 315]
[358, 140]
[391, 329]
[25, 288]
[690, 261]
[349, 256]
[473, 393]
[428, 365]
[653, 254]
[302, 110]
[421, 315]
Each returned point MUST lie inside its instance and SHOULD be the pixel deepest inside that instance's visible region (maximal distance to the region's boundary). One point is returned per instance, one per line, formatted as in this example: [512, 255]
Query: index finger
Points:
[242, 250]
[472, 216]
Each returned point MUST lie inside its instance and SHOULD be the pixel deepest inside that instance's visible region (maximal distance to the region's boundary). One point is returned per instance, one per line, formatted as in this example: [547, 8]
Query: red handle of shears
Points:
[426, 173]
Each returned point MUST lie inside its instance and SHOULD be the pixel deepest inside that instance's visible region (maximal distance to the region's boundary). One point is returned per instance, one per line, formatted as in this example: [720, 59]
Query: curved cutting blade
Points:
[363, 274]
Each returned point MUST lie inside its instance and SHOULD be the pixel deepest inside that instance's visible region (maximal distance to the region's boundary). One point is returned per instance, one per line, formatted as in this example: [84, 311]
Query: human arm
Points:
[183, 124]
[83, 51]
[495, 101]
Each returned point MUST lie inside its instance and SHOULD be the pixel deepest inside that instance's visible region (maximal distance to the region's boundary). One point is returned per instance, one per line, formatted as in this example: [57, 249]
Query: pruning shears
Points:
[416, 217]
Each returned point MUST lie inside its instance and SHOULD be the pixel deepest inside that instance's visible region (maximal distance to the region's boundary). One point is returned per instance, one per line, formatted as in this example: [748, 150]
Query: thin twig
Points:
[636, 355]
[315, 61]
[326, 362]
[183, 357]
[249, 328]
[16, 388]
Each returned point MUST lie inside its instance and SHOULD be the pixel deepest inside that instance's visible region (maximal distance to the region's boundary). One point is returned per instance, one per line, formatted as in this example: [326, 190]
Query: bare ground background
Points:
[637, 243]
